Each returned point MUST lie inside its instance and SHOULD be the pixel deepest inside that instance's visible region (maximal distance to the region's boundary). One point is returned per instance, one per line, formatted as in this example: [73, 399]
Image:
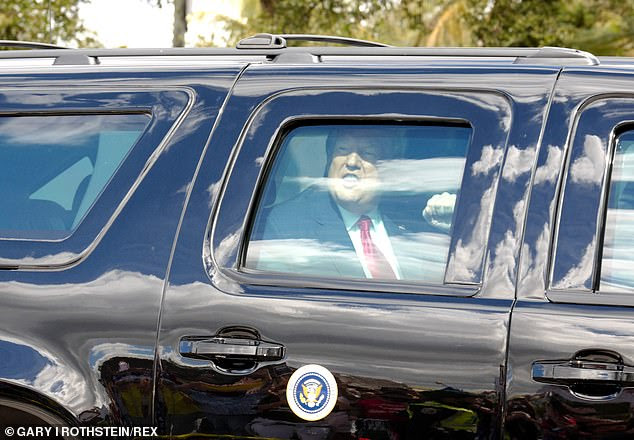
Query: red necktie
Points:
[374, 258]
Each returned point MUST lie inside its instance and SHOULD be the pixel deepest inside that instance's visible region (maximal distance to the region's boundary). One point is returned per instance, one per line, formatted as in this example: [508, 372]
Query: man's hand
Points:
[439, 210]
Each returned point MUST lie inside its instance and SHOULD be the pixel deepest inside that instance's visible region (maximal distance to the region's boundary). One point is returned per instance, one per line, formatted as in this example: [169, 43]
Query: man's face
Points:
[353, 178]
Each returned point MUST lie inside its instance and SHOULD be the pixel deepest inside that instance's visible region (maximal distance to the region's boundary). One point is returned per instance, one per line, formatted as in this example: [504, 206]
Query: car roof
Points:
[274, 49]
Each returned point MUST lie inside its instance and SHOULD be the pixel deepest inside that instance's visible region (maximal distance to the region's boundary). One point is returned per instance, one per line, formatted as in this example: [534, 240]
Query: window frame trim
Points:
[222, 270]
[593, 295]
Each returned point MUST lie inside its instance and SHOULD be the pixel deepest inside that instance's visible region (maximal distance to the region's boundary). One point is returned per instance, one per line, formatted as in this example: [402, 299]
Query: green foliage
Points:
[389, 21]
[598, 26]
[449, 27]
[28, 20]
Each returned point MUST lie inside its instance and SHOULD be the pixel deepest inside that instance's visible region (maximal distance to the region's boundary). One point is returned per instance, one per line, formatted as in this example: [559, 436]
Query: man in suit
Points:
[336, 228]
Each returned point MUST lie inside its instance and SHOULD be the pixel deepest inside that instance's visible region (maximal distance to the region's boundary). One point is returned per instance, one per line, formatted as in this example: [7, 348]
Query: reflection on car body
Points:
[278, 242]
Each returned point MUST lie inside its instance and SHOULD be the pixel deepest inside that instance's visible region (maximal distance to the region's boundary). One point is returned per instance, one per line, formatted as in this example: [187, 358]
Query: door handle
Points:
[231, 348]
[586, 366]
[570, 372]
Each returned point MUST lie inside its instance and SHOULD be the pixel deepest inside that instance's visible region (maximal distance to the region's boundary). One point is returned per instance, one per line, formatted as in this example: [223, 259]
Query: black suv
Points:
[368, 243]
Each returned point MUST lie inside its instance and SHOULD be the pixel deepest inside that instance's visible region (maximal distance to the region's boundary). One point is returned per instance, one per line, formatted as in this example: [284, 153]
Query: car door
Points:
[94, 161]
[571, 353]
[267, 332]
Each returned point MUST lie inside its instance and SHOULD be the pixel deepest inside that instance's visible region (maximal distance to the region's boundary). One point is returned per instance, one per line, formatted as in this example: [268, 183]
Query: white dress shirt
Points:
[379, 237]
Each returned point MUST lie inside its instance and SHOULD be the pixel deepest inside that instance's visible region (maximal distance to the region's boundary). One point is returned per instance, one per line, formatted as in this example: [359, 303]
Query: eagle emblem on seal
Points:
[310, 394]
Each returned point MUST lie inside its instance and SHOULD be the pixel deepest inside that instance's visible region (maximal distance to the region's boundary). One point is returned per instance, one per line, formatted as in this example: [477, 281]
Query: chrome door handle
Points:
[230, 348]
[590, 366]
[573, 371]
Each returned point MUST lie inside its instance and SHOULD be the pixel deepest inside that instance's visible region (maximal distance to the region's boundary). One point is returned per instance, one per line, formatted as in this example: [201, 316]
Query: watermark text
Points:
[80, 431]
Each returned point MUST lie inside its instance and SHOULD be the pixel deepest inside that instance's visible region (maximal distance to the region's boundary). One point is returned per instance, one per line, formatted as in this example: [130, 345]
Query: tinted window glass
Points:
[618, 243]
[360, 201]
[54, 167]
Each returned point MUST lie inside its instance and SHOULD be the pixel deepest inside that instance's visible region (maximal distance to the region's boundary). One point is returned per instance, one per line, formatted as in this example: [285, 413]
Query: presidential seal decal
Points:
[311, 392]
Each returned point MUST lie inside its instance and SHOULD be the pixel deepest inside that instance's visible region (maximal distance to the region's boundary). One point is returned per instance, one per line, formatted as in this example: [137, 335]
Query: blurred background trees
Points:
[603, 27]
[44, 21]
[396, 22]
[598, 26]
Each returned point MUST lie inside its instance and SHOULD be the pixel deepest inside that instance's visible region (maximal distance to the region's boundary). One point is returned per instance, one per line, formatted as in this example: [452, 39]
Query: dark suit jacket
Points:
[306, 235]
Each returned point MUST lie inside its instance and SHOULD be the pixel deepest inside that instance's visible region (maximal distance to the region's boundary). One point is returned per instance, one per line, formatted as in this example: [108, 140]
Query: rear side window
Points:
[360, 201]
[618, 242]
[54, 167]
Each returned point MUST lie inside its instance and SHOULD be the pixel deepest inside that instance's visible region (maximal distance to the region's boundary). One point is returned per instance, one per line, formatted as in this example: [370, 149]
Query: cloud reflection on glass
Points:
[465, 263]
[518, 162]
[579, 275]
[423, 253]
[549, 171]
[406, 176]
[437, 174]
[53, 130]
[589, 168]
[467, 258]
[491, 158]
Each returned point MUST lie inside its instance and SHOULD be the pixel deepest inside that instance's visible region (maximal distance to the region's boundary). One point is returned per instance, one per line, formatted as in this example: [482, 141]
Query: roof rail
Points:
[309, 54]
[272, 41]
[557, 53]
[29, 45]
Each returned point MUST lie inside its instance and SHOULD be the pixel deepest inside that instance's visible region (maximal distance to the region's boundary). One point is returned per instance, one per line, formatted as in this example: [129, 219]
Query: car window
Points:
[360, 201]
[618, 242]
[54, 167]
